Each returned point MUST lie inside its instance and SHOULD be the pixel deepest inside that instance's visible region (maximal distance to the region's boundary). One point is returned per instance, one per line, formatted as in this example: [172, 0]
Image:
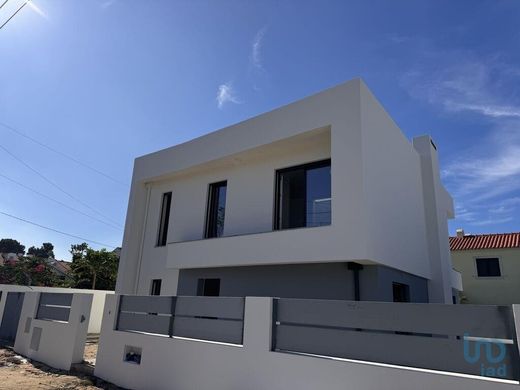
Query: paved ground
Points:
[17, 373]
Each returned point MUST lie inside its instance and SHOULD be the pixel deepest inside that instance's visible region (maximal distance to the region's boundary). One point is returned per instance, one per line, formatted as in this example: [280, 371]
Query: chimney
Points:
[460, 233]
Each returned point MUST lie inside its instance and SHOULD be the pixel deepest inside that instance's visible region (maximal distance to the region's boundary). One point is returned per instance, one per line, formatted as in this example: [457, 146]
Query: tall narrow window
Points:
[164, 219]
[216, 210]
[303, 196]
[155, 289]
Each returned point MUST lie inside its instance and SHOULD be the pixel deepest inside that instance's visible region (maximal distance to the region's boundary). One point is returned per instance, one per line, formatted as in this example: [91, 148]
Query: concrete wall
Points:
[318, 281]
[392, 190]
[190, 364]
[378, 204]
[61, 344]
[98, 300]
[383, 290]
[503, 290]
[438, 207]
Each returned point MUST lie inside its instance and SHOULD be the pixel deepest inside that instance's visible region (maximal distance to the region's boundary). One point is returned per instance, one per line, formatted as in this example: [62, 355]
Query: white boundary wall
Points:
[60, 344]
[185, 364]
[98, 300]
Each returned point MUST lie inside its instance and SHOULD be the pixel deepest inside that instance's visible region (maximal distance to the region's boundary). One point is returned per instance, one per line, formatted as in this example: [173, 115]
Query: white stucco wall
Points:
[61, 343]
[500, 290]
[98, 300]
[438, 206]
[184, 364]
[392, 190]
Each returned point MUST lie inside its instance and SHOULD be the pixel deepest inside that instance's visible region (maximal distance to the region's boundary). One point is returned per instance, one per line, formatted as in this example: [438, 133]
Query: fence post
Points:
[516, 338]
[172, 318]
[118, 308]
[257, 324]
[274, 324]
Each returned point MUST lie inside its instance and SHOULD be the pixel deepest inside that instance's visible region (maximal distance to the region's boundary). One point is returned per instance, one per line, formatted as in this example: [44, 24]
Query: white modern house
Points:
[324, 198]
[259, 239]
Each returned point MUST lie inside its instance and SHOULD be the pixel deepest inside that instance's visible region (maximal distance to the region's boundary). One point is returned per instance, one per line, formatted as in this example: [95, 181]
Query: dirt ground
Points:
[90, 351]
[17, 373]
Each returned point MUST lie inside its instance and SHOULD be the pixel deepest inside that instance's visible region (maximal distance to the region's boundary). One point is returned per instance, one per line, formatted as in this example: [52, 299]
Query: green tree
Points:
[8, 245]
[44, 252]
[94, 268]
[78, 251]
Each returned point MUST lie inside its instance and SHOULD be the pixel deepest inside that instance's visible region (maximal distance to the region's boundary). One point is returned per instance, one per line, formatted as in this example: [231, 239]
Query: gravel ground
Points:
[17, 373]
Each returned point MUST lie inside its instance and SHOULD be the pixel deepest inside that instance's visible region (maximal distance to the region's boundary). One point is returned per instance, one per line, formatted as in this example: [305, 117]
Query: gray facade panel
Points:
[418, 286]
[312, 281]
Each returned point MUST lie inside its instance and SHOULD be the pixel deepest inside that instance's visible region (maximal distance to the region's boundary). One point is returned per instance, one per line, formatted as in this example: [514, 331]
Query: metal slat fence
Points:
[54, 307]
[469, 339]
[207, 318]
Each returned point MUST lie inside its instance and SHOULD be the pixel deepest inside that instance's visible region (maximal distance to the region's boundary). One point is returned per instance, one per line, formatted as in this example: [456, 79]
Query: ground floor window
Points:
[156, 287]
[401, 292]
[208, 287]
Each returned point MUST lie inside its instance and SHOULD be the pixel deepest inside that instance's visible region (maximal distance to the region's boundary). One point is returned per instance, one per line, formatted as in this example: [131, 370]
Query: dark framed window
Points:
[155, 289]
[401, 292]
[164, 219]
[208, 287]
[303, 196]
[488, 267]
[216, 209]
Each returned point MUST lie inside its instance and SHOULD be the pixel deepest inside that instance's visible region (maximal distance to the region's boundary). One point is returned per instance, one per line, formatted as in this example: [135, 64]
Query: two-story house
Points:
[322, 198]
[489, 265]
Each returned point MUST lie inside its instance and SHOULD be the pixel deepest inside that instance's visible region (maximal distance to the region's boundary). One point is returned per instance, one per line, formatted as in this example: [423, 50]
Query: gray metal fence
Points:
[54, 307]
[470, 339]
[206, 318]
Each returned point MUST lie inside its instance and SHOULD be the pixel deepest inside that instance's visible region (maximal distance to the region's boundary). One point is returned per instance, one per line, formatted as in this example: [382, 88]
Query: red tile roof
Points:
[485, 241]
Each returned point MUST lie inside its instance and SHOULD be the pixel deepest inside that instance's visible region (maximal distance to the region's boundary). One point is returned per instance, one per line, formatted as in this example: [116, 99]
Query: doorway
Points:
[11, 317]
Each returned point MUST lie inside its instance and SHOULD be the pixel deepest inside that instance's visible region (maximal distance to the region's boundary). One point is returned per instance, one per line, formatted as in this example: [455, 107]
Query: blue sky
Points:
[105, 81]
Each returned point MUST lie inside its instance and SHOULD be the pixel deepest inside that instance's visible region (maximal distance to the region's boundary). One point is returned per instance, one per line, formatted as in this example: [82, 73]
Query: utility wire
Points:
[56, 186]
[4, 3]
[22, 134]
[57, 201]
[13, 15]
[55, 230]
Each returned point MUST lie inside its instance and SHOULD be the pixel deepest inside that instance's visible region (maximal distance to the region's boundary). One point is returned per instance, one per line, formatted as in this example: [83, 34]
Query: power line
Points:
[56, 185]
[13, 15]
[57, 201]
[22, 134]
[4, 3]
[56, 231]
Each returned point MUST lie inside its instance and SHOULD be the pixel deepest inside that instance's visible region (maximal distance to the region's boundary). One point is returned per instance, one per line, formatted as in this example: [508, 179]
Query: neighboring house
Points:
[323, 198]
[9, 257]
[490, 267]
[60, 267]
[117, 251]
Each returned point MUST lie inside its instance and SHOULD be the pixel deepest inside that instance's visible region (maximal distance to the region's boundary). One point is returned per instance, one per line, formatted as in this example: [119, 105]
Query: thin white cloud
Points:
[256, 47]
[488, 110]
[107, 4]
[472, 86]
[514, 201]
[398, 38]
[480, 176]
[491, 221]
[491, 172]
[226, 94]
[37, 9]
